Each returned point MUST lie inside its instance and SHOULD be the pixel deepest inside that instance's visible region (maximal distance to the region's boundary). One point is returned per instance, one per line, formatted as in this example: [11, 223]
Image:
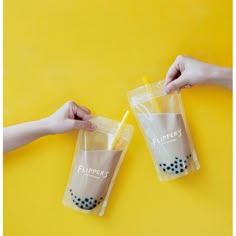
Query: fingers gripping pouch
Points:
[97, 160]
[163, 124]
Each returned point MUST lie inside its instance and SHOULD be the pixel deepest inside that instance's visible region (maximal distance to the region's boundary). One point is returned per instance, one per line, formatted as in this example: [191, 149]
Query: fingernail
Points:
[93, 127]
[167, 89]
[188, 86]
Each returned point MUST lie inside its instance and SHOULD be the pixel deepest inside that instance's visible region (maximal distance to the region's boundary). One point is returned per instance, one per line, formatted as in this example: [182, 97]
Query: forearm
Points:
[221, 76]
[18, 135]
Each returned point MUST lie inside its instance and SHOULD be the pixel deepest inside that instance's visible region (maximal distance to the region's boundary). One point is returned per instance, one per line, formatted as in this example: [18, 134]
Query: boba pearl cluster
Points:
[88, 203]
[178, 166]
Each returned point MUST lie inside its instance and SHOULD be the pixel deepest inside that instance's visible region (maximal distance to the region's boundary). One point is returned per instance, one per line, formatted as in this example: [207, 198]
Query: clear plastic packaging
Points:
[162, 121]
[95, 166]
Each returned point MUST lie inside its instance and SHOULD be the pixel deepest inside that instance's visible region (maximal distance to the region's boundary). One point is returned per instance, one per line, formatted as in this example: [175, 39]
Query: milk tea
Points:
[168, 141]
[161, 119]
[91, 176]
[96, 165]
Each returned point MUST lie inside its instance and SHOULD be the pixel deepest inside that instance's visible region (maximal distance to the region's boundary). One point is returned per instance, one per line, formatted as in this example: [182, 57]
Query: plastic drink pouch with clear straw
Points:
[162, 121]
[97, 160]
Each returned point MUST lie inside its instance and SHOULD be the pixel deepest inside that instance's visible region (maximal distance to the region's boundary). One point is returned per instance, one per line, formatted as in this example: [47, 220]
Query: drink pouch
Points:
[96, 162]
[162, 121]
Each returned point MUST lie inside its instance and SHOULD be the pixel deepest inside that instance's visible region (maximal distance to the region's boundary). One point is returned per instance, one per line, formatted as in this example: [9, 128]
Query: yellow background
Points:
[93, 52]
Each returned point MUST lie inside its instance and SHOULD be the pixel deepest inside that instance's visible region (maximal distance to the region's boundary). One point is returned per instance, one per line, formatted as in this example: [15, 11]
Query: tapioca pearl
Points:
[70, 190]
[176, 162]
[185, 161]
[190, 155]
[181, 170]
[86, 199]
[164, 169]
[180, 160]
[171, 164]
[176, 172]
[78, 199]
[76, 203]
[86, 205]
[160, 164]
[73, 200]
[181, 165]
[168, 168]
[95, 201]
[176, 158]
[90, 203]
[98, 202]
[82, 202]
[94, 205]
[176, 166]
[164, 164]
[173, 169]
[81, 207]
[71, 194]
[91, 198]
[101, 198]
[186, 167]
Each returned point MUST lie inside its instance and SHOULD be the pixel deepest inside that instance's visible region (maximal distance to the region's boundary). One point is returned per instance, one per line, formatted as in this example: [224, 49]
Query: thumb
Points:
[176, 84]
[86, 125]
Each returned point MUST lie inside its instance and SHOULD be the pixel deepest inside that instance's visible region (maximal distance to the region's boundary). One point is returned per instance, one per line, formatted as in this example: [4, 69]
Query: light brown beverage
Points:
[91, 177]
[169, 143]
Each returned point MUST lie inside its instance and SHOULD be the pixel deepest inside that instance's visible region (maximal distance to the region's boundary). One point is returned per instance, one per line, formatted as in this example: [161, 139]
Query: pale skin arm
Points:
[187, 71]
[69, 117]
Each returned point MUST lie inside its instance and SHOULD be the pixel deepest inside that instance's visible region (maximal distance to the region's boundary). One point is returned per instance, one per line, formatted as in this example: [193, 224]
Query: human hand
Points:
[187, 71]
[69, 117]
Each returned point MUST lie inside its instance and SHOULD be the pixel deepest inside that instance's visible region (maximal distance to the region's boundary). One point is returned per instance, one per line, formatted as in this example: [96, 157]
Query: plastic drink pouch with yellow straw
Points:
[97, 160]
[162, 121]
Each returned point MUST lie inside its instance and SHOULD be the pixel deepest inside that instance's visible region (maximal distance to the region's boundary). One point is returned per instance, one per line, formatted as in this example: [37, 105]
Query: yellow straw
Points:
[119, 130]
[149, 89]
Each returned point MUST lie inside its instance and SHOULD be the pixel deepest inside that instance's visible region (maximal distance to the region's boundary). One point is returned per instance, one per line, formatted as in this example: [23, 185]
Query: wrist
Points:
[44, 127]
[220, 76]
